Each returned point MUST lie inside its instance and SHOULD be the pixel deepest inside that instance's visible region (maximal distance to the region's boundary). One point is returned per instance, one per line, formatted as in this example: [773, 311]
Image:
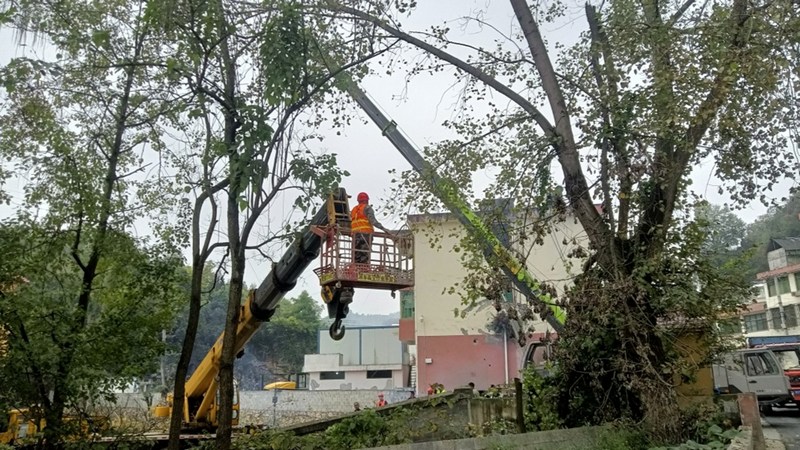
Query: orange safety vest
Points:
[359, 223]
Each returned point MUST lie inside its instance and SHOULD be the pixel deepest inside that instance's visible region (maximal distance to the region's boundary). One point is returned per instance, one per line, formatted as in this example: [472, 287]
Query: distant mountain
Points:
[367, 320]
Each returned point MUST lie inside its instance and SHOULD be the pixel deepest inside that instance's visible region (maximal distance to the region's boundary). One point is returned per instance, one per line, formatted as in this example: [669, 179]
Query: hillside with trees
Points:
[782, 220]
[274, 352]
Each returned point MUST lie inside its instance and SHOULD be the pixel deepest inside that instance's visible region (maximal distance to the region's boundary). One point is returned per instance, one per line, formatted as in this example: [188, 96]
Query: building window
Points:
[797, 281]
[755, 322]
[379, 374]
[406, 304]
[331, 375]
[775, 316]
[790, 315]
[771, 288]
[783, 285]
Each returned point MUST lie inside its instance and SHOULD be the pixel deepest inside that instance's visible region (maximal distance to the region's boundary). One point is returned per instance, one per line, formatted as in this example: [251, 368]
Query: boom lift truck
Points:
[329, 227]
[388, 268]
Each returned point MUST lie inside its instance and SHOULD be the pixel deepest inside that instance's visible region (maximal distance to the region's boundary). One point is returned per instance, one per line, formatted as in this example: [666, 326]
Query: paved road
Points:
[787, 423]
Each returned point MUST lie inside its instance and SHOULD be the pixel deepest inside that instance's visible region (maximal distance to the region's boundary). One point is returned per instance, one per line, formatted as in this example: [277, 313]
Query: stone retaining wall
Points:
[291, 406]
[298, 406]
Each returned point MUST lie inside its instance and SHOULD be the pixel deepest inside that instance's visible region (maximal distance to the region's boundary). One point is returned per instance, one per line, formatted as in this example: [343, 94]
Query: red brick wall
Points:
[457, 360]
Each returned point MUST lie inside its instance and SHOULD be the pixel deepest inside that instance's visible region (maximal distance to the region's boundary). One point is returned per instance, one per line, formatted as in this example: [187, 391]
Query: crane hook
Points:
[336, 330]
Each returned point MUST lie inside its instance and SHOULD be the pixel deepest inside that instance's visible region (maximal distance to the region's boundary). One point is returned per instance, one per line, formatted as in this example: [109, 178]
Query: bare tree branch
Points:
[676, 16]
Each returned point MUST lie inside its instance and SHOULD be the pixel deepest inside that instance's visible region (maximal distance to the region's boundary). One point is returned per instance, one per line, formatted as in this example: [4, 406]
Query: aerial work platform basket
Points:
[385, 263]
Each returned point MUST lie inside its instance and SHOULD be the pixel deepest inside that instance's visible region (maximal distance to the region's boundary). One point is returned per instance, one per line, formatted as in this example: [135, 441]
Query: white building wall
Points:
[354, 376]
[348, 346]
[549, 262]
[438, 267]
[789, 302]
[367, 345]
[381, 346]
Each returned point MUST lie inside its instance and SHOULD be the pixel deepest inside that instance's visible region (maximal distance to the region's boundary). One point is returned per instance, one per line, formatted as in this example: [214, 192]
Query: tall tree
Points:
[254, 148]
[83, 129]
[723, 231]
[651, 89]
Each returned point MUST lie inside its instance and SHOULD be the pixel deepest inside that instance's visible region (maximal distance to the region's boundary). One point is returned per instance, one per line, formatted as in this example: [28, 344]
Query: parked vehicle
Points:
[295, 381]
[787, 350]
[755, 370]
[22, 426]
[19, 427]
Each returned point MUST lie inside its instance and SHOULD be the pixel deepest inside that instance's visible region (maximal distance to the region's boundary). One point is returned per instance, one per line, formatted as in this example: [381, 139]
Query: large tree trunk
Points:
[179, 391]
[235, 245]
[612, 357]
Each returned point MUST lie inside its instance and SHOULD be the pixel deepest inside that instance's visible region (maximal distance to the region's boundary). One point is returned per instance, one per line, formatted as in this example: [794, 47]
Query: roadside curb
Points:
[772, 439]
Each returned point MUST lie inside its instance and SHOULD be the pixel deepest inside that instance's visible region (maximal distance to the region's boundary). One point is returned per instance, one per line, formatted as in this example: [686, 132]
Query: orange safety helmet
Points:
[363, 197]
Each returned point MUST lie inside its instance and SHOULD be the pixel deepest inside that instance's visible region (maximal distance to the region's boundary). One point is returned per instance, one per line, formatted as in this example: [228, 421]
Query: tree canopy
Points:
[607, 131]
[192, 116]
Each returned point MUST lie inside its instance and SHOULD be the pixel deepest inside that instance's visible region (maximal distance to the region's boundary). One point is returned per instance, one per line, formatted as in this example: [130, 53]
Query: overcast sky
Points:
[419, 108]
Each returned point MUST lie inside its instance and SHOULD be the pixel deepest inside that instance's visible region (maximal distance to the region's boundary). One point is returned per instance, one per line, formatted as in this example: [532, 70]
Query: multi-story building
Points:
[774, 310]
[365, 358]
[452, 342]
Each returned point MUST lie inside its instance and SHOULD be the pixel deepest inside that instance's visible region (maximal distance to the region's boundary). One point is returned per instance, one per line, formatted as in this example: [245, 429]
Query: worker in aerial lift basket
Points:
[362, 225]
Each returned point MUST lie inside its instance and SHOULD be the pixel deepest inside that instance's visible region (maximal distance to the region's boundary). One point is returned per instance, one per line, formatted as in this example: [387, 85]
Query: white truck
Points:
[753, 370]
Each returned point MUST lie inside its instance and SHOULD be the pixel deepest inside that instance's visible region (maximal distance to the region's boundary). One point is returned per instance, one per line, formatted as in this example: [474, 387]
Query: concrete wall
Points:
[353, 377]
[365, 345]
[292, 406]
[457, 360]
[442, 417]
[777, 259]
[298, 406]
[569, 439]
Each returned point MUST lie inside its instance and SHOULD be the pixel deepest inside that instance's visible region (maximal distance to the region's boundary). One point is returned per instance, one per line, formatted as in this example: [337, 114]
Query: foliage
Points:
[290, 334]
[370, 429]
[135, 298]
[650, 90]
[364, 430]
[723, 230]
[541, 397]
[255, 76]
[713, 438]
[499, 427]
[705, 427]
[276, 350]
[79, 130]
[622, 437]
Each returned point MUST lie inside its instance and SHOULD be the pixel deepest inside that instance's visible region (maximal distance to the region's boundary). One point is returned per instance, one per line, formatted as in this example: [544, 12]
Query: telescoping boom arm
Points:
[200, 405]
[447, 191]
